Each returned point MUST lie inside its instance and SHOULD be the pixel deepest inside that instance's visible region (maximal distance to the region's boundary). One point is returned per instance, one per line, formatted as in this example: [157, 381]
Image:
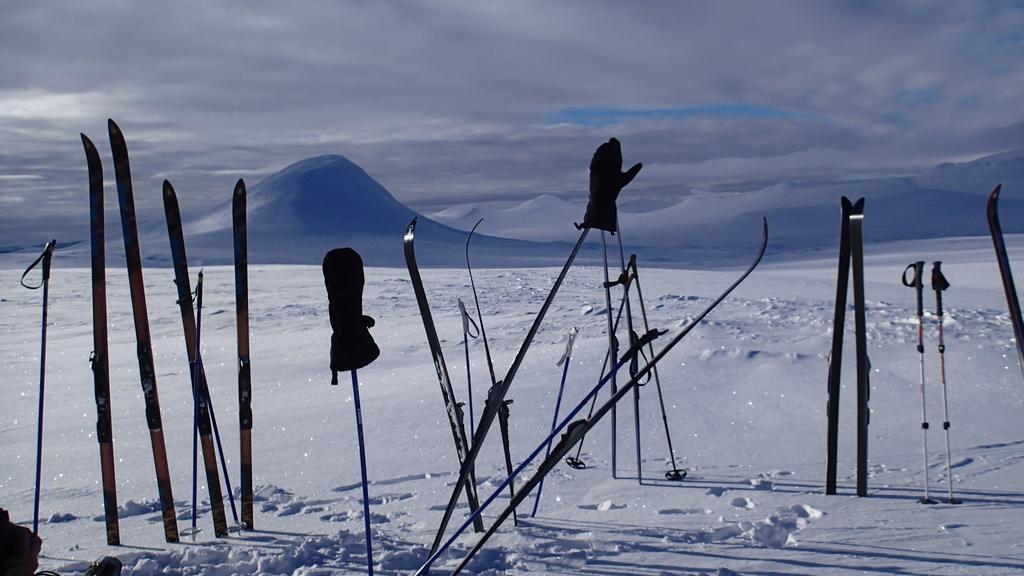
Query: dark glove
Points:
[19, 548]
[606, 181]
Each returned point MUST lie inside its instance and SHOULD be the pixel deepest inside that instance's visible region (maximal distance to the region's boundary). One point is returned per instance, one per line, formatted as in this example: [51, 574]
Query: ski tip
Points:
[411, 230]
[995, 191]
[475, 226]
[168, 189]
[240, 187]
[112, 127]
[86, 141]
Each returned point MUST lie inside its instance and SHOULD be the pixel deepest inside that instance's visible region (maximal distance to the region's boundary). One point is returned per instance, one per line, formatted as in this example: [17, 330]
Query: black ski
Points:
[860, 336]
[1005, 273]
[242, 327]
[496, 396]
[200, 390]
[122, 171]
[98, 358]
[453, 408]
[503, 413]
[836, 356]
[575, 430]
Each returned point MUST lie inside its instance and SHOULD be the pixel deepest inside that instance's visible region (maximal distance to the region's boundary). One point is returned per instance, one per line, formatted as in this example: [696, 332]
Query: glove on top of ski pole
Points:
[606, 181]
[352, 347]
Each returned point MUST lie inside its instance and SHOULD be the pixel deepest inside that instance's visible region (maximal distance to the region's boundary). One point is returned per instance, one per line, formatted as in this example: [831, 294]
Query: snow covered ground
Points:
[745, 395]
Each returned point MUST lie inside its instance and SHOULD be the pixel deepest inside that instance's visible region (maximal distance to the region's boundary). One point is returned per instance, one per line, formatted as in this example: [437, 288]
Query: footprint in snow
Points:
[684, 511]
[716, 491]
[388, 498]
[741, 502]
[602, 507]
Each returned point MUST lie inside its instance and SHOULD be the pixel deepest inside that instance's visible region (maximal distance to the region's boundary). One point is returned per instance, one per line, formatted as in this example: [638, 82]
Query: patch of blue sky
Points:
[608, 116]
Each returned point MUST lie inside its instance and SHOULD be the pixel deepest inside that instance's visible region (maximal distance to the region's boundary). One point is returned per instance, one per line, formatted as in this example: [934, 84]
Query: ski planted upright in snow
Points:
[238, 220]
[200, 390]
[1005, 273]
[861, 342]
[835, 358]
[122, 171]
[98, 358]
[575, 430]
[454, 410]
[851, 255]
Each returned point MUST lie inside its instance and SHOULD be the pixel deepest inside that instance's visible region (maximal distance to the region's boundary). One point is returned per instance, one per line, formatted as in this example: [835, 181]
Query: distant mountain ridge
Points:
[299, 213]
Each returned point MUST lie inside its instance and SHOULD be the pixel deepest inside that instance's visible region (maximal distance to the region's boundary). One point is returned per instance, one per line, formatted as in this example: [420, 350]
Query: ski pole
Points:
[468, 325]
[574, 461]
[613, 349]
[939, 284]
[362, 470]
[209, 400]
[44, 258]
[913, 278]
[675, 473]
[564, 362]
[195, 412]
[624, 279]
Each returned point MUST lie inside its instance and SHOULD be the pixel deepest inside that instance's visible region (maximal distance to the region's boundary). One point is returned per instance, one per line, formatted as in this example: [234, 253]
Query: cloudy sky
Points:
[444, 102]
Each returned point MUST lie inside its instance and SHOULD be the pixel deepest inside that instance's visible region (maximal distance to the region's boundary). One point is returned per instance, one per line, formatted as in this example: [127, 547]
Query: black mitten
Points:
[606, 181]
[352, 347]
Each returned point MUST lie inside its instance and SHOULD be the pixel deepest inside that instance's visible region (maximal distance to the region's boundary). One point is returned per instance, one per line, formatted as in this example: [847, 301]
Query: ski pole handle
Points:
[45, 257]
[916, 282]
[469, 326]
[939, 284]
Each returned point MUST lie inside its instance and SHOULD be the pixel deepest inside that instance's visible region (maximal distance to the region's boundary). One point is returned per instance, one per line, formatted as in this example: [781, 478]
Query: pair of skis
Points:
[575, 430]
[144, 352]
[99, 358]
[851, 253]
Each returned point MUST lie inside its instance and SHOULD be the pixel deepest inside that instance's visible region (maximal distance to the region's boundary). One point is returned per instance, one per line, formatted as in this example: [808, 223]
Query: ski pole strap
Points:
[916, 282]
[469, 326]
[939, 284]
[44, 258]
[637, 346]
[568, 346]
[623, 279]
[634, 363]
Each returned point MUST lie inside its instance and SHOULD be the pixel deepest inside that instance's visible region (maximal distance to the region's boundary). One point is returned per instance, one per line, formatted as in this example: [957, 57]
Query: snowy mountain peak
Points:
[325, 193]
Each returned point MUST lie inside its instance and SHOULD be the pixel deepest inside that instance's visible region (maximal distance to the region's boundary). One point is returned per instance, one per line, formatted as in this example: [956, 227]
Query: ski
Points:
[1005, 273]
[122, 171]
[503, 413]
[454, 410]
[836, 356]
[575, 430]
[200, 390]
[242, 327]
[98, 358]
[860, 338]
[496, 396]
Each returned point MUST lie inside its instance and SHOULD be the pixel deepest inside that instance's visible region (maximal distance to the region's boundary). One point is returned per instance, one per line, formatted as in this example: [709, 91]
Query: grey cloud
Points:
[449, 101]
